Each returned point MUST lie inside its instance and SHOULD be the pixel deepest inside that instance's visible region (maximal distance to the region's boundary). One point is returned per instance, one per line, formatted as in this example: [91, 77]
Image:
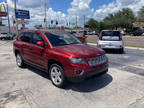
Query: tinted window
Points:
[36, 37]
[60, 39]
[111, 35]
[4, 33]
[26, 37]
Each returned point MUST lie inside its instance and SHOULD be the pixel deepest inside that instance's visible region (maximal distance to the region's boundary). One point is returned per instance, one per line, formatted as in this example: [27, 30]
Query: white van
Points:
[111, 39]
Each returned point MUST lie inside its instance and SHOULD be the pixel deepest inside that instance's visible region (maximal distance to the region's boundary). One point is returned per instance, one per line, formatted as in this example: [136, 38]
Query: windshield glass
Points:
[60, 39]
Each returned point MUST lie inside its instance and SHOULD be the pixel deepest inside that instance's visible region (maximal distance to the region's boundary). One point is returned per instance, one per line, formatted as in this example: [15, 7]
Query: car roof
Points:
[45, 30]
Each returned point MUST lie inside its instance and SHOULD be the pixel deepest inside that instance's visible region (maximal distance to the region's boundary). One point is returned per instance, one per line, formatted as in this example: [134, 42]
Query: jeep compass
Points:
[60, 54]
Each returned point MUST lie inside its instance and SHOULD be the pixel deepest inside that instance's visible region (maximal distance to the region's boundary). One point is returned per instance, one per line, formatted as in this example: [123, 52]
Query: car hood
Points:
[81, 50]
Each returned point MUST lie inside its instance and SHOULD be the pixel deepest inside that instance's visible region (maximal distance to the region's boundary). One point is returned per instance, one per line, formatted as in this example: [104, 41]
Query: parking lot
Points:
[121, 87]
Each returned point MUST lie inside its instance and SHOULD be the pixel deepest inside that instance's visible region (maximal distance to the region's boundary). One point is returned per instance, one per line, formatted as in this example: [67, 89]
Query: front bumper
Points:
[99, 71]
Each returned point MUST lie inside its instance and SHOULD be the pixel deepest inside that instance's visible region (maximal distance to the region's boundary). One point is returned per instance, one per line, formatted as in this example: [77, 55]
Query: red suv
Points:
[60, 54]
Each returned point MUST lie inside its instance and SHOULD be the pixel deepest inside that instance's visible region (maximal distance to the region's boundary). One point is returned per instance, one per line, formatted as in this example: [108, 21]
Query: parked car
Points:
[6, 36]
[80, 37]
[60, 54]
[109, 39]
[138, 32]
[91, 33]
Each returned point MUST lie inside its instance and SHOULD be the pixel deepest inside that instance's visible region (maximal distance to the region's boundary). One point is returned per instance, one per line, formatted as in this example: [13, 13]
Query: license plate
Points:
[110, 46]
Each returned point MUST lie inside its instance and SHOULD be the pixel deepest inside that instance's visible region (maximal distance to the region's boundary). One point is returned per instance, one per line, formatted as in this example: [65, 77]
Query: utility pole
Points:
[8, 18]
[84, 26]
[16, 18]
[45, 19]
[84, 22]
[76, 23]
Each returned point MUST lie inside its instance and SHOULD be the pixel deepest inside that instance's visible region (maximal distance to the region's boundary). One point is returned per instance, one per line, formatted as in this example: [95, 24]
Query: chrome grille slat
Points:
[97, 60]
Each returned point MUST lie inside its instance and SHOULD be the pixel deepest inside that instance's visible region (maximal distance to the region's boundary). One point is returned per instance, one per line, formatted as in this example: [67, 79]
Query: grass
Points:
[135, 46]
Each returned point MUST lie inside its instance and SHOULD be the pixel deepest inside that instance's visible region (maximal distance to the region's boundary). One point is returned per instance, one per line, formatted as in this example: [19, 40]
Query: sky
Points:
[66, 10]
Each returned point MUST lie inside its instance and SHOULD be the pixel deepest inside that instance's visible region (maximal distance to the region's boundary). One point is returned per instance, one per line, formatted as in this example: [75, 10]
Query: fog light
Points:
[79, 72]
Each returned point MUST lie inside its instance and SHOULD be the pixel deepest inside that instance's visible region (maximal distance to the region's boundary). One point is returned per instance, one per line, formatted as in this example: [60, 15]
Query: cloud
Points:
[30, 3]
[117, 5]
[78, 8]
[36, 8]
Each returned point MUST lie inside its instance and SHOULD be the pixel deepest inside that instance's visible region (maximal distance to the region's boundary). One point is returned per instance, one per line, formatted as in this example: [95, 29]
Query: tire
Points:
[56, 74]
[20, 61]
[121, 51]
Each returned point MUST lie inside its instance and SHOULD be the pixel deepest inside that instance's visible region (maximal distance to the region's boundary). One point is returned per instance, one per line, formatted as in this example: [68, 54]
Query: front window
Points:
[60, 39]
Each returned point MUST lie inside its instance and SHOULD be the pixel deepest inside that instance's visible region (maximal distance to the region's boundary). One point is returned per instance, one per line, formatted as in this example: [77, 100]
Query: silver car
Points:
[111, 39]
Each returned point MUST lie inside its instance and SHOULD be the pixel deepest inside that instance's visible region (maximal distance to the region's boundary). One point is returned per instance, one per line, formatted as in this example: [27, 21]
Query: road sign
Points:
[23, 14]
[3, 13]
[23, 22]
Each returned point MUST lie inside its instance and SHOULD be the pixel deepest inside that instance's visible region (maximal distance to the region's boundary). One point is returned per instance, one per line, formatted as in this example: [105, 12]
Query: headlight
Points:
[78, 60]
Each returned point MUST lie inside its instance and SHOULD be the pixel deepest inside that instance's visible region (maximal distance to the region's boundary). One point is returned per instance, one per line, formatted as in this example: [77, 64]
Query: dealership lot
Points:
[122, 87]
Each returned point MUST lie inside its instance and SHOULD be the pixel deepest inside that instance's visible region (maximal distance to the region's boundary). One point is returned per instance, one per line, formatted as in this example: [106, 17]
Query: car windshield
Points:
[60, 39]
[111, 35]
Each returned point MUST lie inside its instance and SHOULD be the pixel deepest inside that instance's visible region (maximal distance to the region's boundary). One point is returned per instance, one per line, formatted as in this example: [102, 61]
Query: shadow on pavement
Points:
[111, 51]
[91, 84]
[88, 85]
[37, 71]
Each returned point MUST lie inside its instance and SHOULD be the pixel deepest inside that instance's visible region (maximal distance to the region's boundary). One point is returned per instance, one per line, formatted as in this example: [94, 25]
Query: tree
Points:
[121, 19]
[141, 15]
[93, 25]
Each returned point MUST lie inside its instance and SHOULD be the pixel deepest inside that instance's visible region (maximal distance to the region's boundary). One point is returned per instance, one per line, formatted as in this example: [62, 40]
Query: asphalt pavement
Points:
[121, 87]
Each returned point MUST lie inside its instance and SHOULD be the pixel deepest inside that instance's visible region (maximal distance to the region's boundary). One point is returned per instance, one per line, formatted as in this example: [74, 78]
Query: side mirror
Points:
[40, 43]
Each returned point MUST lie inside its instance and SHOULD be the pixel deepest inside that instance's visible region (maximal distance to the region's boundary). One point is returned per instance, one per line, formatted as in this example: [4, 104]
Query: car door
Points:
[38, 52]
[26, 39]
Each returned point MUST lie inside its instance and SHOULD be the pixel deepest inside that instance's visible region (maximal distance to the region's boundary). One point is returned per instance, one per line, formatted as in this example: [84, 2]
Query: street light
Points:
[8, 16]
[15, 18]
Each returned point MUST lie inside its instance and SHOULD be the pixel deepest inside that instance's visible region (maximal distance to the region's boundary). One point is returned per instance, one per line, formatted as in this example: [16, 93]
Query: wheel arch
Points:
[53, 61]
[16, 52]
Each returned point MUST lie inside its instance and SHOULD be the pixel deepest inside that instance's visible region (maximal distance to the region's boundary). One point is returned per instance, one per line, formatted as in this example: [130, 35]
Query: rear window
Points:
[111, 35]
[4, 33]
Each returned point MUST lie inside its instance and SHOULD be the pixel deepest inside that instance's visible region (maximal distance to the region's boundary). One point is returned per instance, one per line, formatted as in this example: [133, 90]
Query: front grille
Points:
[97, 60]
